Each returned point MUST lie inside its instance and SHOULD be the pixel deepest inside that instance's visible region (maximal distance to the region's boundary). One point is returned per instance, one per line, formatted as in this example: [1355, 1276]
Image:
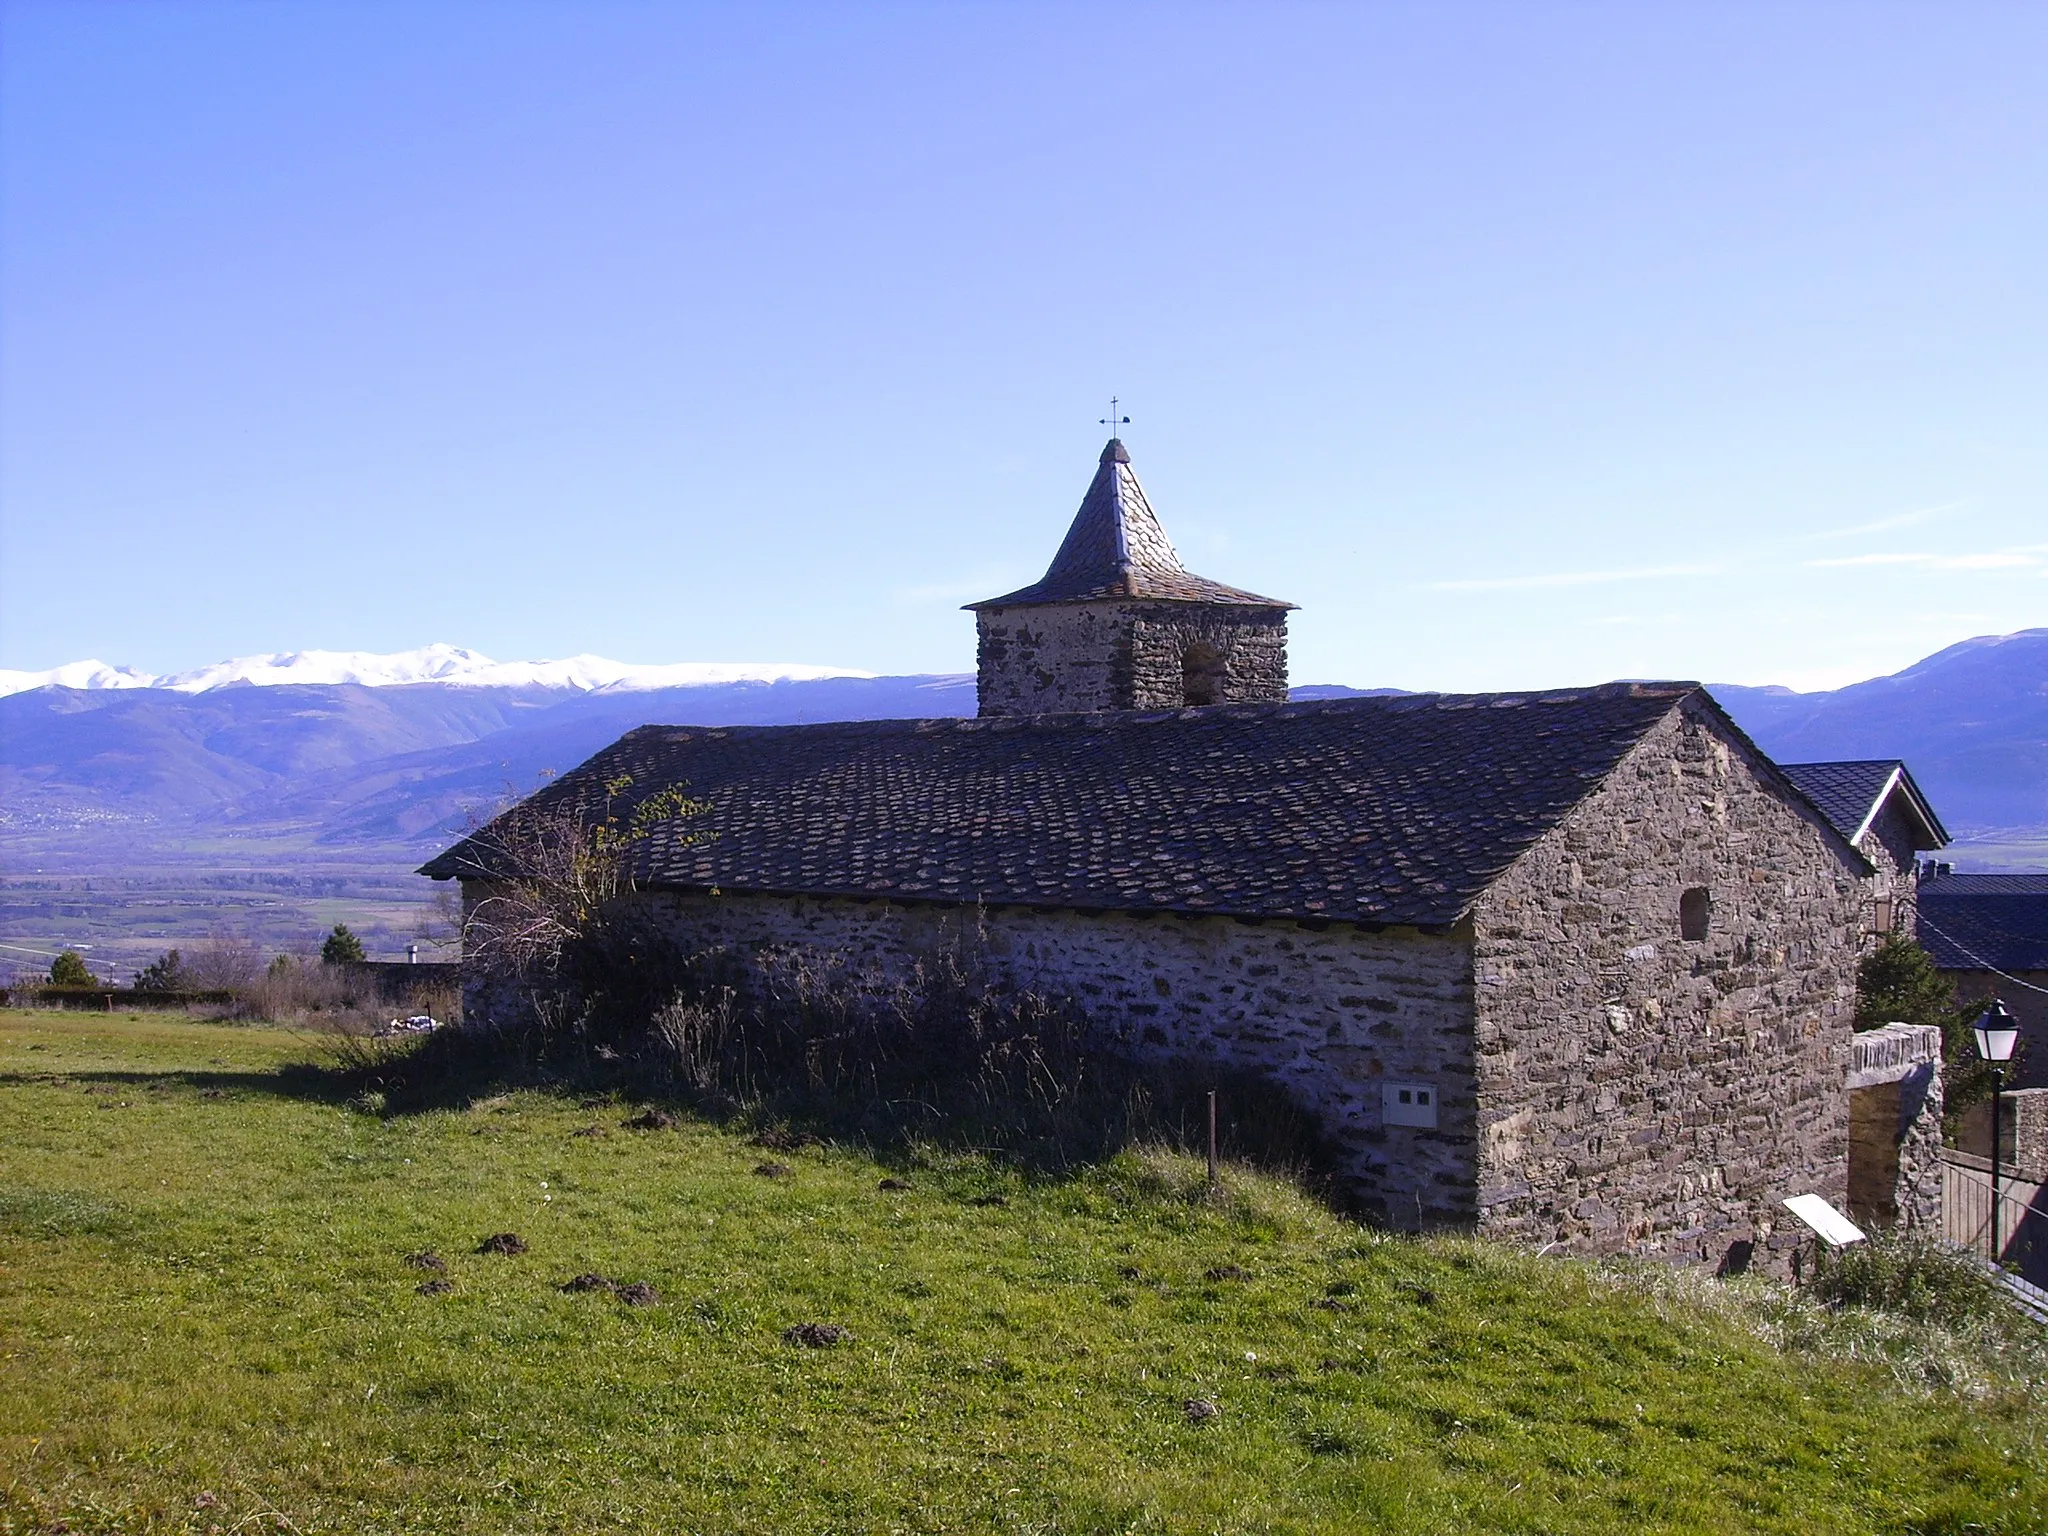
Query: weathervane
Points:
[1112, 420]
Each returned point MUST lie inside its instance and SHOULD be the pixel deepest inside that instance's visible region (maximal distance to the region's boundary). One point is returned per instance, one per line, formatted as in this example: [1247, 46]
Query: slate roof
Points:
[1116, 548]
[1378, 810]
[1985, 922]
[1851, 794]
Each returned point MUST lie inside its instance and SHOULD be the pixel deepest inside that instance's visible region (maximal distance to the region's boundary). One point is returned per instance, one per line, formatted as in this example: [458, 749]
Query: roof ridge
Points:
[1100, 719]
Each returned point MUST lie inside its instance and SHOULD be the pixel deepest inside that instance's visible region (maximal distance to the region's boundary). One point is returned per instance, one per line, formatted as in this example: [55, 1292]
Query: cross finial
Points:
[1112, 420]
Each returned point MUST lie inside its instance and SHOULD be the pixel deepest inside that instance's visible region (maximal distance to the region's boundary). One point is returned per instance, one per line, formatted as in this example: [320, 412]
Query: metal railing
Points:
[2022, 1214]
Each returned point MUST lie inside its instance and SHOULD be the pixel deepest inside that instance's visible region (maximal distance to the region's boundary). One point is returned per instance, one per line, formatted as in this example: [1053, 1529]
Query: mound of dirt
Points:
[591, 1282]
[508, 1243]
[894, 1184]
[774, 1171]
[1200, 1410]
[653, 1120]
[434, 1287]
[426, 1258]
[1224, 1272]
[588, 1130]
[816, 1335]
[639, 1294]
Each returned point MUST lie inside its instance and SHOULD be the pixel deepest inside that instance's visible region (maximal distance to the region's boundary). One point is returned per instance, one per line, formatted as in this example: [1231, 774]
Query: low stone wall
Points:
[1333, 1015]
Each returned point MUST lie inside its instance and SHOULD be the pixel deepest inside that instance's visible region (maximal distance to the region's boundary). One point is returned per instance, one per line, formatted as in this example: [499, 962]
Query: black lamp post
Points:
[1997, 1032]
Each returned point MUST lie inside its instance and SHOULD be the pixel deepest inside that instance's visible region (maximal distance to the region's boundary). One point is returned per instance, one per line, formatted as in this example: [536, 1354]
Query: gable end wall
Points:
[1889, 845]
[1641, 1092]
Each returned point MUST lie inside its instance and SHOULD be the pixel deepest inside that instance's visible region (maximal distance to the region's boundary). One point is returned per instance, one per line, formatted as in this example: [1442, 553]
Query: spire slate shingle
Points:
[1116, 548]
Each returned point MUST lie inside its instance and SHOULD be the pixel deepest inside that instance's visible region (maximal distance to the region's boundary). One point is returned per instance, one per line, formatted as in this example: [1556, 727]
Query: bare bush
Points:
[537, 933]
[226, 962]
[291, 990]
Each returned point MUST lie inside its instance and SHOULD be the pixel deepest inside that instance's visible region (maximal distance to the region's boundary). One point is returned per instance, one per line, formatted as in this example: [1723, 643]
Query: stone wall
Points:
[1062, 657]
[1641, 1091]
[1332, 1014]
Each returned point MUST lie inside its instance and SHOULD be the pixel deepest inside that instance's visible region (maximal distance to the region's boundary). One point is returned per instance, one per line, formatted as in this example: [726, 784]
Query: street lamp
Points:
[1997, 1032]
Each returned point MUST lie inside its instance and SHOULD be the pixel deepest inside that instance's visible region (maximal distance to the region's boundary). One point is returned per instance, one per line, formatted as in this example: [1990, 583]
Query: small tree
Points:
[68, 970]
[341, 947]
[166, 973]
[1897, 983]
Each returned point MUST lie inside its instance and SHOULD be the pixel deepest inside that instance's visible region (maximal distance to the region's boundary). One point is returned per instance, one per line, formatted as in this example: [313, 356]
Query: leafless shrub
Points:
[537, 934]
[225, 962]
[331, 999]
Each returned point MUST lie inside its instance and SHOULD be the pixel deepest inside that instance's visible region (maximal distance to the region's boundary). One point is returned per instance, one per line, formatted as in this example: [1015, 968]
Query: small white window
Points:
[1408, 1104]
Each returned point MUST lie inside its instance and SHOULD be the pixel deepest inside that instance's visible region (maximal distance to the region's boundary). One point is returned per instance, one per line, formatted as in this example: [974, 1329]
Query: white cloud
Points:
[2025, 555]
[1885, 524]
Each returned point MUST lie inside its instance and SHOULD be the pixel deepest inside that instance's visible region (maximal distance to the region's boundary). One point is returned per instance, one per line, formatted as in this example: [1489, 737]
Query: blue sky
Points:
[1519, 344]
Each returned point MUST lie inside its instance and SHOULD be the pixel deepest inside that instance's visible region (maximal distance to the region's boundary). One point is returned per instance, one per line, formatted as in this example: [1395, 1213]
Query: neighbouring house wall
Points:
[1640, 1091]
[2023, 1132]
[2025, 995]
[1060, 657]
[1330, 1014]
[1889, 845]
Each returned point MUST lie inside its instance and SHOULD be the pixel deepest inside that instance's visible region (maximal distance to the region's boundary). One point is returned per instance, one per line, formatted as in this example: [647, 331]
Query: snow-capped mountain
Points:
[449, 664]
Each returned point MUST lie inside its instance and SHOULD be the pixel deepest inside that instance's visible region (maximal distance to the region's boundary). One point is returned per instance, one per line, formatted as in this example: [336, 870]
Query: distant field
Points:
[121, 921]
[207, 1323]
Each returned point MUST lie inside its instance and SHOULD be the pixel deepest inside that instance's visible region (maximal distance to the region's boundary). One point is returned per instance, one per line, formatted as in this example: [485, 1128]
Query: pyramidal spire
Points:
[1116, 547]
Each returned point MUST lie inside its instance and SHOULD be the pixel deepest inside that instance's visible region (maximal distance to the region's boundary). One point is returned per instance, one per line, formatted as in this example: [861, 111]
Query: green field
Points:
[208, 1322]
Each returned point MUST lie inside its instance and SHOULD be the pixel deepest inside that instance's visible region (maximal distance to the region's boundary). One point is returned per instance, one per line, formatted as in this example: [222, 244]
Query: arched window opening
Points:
[1201, 675]
[1695, 907]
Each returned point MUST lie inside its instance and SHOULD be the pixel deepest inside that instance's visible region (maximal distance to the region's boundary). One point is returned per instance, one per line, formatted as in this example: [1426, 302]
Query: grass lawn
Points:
[208, 1321]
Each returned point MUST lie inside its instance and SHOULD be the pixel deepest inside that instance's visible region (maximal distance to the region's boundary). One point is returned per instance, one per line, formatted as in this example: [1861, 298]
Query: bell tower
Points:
[1117, 622]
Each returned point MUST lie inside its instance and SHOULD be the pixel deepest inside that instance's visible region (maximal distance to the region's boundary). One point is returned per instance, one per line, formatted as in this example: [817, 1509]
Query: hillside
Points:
[1972, 721]
[140, 812]
[212, 1322]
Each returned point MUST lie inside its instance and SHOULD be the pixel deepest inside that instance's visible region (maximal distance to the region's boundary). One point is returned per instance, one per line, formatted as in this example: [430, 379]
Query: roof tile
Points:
[1377, 809]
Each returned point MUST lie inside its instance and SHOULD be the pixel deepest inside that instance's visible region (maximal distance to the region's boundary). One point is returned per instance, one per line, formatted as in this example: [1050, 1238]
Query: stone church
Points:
[1572, 967]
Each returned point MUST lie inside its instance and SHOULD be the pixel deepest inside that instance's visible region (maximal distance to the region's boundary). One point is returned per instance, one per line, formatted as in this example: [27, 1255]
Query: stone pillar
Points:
[1895, 1127]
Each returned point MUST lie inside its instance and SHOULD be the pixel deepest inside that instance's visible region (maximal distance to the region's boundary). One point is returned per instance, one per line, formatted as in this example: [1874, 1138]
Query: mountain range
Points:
[349, 768]
[447, 664]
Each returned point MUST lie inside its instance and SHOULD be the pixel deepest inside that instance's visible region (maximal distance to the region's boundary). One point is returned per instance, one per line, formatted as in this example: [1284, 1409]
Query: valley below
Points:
[134, 819]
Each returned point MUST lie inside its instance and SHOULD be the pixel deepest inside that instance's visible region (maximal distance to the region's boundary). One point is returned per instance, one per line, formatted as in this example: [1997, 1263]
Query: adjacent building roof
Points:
[1381, 810]
[1116, 548]
[1985, 922]
[1852, 795]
